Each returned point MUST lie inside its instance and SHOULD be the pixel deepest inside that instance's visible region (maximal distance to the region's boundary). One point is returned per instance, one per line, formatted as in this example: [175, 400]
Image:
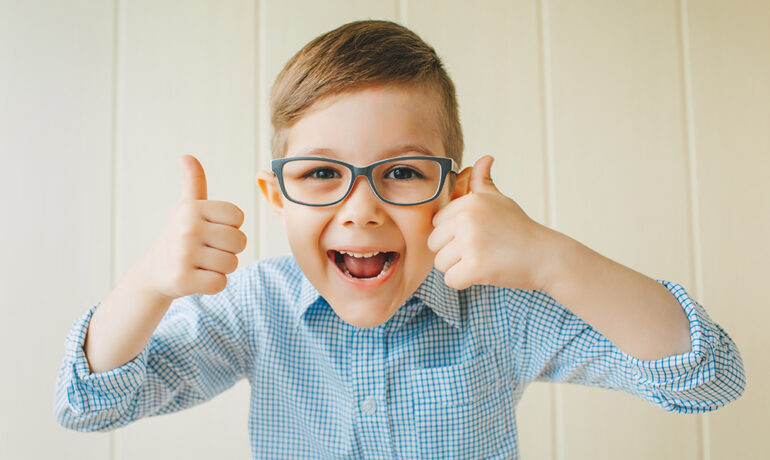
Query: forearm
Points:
[123, 322]
[635, 312]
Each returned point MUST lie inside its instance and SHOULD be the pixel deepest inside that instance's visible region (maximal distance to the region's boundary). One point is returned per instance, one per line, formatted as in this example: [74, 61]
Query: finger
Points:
[448, 256]
[481, 175]
[456, 277]
[214, 260]
[194, 178]
[222, 212]
[223, 237]
[440, 237]
[207, 281]
[448, 211]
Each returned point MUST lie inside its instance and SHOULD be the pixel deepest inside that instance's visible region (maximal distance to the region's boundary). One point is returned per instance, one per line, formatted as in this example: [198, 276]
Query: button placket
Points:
[368, 370]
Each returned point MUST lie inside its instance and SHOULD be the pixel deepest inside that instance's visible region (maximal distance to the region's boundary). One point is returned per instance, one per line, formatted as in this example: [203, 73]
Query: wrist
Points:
[141, 277]
[559, 253]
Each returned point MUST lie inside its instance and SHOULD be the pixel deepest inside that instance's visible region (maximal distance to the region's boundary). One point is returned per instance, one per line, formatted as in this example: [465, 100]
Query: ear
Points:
[268, 183]
[462, 183]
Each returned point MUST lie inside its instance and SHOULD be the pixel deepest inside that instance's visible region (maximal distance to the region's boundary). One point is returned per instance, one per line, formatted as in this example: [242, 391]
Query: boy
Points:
[418, 301]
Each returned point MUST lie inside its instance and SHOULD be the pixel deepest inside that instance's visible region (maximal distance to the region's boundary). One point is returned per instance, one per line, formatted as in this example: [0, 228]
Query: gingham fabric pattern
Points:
[442, 378]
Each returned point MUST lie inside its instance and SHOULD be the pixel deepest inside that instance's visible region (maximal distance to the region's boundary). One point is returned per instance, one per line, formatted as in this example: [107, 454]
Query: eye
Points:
[403, 173]
[322, 174]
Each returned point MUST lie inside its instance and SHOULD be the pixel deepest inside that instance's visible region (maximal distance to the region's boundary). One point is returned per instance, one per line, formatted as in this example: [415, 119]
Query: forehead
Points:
[397, 150]
[368, 124]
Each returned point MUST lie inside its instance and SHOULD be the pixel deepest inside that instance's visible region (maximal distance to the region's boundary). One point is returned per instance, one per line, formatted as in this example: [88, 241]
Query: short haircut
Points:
[354, 56]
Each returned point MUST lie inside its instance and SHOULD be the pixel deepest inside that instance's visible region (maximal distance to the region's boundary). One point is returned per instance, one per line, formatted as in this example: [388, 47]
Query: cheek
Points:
[419, 227]
[303, 227]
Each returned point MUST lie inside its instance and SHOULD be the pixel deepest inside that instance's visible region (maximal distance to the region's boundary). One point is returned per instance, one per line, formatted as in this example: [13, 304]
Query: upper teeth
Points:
[365, 254]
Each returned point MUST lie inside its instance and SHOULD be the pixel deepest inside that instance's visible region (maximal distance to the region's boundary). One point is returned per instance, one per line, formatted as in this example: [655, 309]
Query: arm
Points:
[122, 325]
[106, 378]
[484, 237]
[636, 313]
[553, 344]
[200, 348]
[603, 324]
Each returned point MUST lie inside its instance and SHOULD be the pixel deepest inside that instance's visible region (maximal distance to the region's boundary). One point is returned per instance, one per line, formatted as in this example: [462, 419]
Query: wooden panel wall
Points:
[729, 81]
[56, 86]
[620, 181]
[638, 128]
[186, 73]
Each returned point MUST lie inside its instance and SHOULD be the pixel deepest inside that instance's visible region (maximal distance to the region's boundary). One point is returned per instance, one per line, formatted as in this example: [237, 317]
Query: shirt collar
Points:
[442, 299]
[308, 295]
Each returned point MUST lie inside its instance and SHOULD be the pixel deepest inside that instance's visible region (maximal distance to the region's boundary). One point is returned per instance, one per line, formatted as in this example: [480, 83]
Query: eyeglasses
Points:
[402, 181]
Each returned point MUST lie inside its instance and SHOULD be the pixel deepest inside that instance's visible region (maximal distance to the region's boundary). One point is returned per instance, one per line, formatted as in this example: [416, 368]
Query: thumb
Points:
[481, 175]
[194, 186]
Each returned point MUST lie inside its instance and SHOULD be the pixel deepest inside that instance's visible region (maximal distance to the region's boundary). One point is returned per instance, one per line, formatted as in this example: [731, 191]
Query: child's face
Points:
[361, 127]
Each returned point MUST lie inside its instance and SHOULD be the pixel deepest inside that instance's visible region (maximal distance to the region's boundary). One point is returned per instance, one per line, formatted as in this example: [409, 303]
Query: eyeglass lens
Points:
[400, 181]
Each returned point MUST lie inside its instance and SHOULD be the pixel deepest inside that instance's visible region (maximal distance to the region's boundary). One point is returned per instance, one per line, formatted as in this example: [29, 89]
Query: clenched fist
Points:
[484, 237]
[198, 245]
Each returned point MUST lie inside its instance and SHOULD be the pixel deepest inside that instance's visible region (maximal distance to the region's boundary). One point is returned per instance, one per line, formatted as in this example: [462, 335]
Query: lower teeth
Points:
[384, 270]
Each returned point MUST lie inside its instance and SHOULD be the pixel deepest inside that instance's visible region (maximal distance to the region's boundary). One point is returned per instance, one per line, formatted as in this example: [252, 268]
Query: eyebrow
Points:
[403, 148]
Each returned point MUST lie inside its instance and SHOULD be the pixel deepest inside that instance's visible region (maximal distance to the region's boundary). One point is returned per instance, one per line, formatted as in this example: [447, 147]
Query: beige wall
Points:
[639, 128]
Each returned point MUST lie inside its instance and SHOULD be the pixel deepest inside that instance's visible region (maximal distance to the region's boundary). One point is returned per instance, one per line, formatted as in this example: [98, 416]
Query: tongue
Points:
[365, 267]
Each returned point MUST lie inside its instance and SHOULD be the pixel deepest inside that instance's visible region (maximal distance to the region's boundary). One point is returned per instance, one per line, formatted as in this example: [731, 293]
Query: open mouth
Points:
[364, 266]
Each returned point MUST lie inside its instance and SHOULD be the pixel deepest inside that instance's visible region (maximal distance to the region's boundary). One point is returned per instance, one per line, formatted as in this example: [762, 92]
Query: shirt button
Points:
[369, 405]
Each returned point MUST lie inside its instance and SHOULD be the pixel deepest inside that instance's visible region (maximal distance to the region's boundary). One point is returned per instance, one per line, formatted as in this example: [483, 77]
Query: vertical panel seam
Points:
[541, 6]
[263, 128]
[402, 12]
[258, 134]
[696, 267]
[116, 42]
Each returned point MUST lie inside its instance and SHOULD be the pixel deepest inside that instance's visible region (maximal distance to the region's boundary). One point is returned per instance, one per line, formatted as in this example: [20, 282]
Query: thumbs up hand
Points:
[484, 237]
[198, 245]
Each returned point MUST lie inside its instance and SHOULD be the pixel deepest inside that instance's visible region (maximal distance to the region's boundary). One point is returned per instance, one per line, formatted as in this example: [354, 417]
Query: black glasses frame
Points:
[447, 165]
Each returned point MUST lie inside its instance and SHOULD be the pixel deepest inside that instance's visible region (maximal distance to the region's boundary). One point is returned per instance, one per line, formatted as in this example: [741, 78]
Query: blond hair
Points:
[356, 55]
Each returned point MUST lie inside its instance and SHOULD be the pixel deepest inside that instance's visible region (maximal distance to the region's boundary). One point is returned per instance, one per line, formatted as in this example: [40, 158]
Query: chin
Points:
[364, 317]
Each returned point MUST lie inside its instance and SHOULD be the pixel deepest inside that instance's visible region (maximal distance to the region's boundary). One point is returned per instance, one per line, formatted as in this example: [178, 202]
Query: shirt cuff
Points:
[687, 370]
[103, 390]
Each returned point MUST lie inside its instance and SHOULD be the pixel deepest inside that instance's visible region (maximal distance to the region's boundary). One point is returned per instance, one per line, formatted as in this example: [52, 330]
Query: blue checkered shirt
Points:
[441, 378]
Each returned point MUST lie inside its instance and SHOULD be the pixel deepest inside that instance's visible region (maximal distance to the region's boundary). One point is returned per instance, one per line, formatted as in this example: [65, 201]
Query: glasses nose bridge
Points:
[362, 171]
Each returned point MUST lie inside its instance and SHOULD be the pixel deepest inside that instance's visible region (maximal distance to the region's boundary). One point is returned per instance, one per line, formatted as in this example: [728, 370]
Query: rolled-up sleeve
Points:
[707, 377]
[86, 401]
[199, 349]
[556, 345]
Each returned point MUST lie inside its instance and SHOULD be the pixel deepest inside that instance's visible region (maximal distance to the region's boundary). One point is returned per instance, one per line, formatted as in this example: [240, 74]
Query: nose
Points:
[361, 207]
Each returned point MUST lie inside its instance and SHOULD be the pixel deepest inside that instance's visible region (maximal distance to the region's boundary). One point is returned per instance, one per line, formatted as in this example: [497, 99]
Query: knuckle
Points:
[213, 285]
[189, 229]
[231, 213]
[474, 232]
[465, 215]
[179, 279]
[472, 261]
[186, 260]
[449, 280]
[431, 243]
[244, 240]
[220, 283]
[439, 263]
[232, 263]
[190, 210]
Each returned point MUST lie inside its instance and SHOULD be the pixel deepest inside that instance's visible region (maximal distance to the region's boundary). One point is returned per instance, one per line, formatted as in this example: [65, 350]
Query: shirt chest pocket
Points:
[463, 411]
